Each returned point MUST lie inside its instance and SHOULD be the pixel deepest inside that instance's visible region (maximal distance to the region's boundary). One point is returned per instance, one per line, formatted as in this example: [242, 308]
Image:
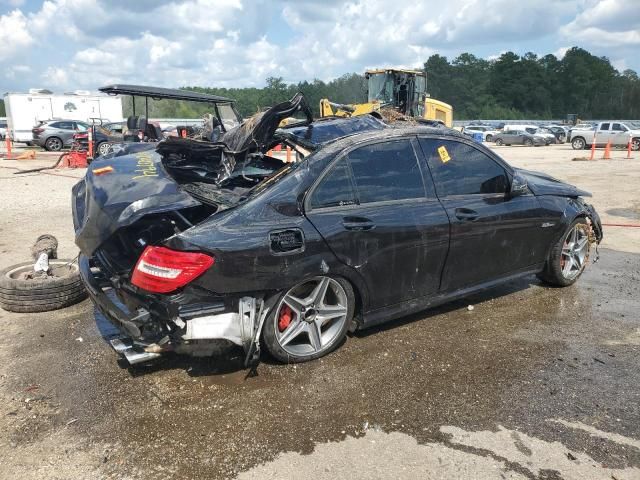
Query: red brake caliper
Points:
[285, 317]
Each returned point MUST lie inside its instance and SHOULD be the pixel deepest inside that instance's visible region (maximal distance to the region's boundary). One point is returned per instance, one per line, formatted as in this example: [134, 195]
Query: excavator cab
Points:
[405, 90]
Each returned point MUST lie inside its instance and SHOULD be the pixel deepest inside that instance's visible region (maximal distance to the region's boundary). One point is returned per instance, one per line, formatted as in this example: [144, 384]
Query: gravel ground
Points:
[532, 383]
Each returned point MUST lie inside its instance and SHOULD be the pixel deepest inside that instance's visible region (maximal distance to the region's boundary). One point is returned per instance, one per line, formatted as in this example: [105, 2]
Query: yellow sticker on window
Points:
[444, 155]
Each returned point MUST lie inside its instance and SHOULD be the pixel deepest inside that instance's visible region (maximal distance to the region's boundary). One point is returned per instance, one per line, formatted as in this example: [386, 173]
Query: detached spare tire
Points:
[22, 291]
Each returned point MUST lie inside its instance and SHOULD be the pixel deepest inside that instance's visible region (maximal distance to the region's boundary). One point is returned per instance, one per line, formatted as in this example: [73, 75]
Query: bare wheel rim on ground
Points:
[575, 251]
[319, 308]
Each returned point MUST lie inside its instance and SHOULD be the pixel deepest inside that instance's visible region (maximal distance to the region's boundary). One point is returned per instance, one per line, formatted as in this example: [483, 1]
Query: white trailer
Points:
[26, 110]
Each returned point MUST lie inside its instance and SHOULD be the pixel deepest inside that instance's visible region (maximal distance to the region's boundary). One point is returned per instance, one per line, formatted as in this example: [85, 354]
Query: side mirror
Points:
[518, 186]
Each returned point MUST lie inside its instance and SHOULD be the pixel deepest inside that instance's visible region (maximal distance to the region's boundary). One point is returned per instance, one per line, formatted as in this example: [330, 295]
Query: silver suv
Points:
[53, 135]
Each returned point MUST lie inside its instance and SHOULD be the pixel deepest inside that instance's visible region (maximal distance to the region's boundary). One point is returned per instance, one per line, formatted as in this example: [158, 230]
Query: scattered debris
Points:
[470, 307]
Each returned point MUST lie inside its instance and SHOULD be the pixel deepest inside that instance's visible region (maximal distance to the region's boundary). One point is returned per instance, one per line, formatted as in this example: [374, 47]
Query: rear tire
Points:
[489, 138]
[53, 144]
[499, 142]
[102, 148]
[291, 347]
[41, 294]
[569, 256]
[578, 143]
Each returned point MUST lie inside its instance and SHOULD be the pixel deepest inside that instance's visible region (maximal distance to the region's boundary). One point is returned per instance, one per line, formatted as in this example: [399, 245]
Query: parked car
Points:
[549, 137]
[204, 242]
[559, 133]
[116, 127]
[518, 137]
[3, 129]
[487, 132]
[618, 133]
[54, 135]
[102, 140]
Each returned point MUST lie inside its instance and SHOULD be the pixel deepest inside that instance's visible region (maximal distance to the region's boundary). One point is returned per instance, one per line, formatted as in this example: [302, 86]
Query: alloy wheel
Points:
[310, 317]
[103, 148]
[578, 144]
[54, 144]
[575, 251]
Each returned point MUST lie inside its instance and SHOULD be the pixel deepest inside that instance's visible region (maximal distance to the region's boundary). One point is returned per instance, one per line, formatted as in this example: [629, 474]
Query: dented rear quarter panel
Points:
[239, 238]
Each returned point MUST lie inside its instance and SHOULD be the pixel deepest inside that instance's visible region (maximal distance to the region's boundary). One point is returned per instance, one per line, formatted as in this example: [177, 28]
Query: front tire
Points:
[528, 142]
[309, 320]
[635, 144]
[569, 256]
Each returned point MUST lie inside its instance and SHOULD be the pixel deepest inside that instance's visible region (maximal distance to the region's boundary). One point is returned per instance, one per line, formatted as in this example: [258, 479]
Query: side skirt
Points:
[393, 312]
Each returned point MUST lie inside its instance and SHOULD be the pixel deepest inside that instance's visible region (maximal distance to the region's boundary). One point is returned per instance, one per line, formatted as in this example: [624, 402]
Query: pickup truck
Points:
[616, 132]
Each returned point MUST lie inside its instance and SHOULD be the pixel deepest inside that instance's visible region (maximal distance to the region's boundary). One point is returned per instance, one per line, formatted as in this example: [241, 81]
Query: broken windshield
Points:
[381, 87]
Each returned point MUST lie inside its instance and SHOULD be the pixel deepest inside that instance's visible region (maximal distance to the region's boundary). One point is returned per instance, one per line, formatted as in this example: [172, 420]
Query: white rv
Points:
[25, 110]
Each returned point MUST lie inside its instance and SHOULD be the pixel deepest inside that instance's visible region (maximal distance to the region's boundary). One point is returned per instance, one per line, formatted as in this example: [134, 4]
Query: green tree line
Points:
[509, 87]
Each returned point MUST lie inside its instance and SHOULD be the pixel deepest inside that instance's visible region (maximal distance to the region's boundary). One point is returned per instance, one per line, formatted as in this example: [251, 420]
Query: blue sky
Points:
[66, 45]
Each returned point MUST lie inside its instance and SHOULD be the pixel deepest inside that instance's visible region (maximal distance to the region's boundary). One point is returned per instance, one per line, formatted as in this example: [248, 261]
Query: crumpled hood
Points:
[136, 185]
[542, 184]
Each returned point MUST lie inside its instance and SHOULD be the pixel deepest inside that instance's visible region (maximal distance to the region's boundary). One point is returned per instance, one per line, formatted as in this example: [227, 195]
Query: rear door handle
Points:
[466, 214]
[357, 223]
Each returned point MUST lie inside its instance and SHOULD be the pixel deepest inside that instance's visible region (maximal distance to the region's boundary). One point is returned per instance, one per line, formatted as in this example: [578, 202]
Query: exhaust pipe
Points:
[122, 347]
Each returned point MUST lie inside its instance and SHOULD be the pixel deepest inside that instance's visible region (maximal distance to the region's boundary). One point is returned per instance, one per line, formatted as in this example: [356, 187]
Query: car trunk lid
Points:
[118, 191]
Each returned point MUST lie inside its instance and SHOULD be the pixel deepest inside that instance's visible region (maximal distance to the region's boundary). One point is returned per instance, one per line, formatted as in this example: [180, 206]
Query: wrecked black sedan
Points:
[189, 243]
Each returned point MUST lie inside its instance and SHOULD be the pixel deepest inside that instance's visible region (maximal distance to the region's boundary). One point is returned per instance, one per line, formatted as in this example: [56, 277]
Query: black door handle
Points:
[466, 214]
[357, 223]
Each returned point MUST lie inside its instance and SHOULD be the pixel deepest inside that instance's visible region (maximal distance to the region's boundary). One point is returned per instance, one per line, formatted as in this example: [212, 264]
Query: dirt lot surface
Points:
[533, 382]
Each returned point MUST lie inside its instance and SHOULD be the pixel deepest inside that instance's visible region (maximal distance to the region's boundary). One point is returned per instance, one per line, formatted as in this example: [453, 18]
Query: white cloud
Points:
[56, 77]
[88, 43]
[606, 23]
[14, 34]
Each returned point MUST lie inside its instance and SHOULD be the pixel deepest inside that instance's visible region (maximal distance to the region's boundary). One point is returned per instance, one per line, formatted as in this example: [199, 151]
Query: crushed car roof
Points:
[163, 93]
[328, 129]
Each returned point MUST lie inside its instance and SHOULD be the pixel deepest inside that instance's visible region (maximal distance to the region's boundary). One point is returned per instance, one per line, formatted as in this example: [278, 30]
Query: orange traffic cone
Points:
[607, 151]
[629, 148]
[593, 148]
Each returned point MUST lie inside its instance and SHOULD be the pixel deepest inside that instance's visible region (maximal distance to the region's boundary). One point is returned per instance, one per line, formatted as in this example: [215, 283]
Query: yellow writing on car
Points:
[145, 166]
[444, 155]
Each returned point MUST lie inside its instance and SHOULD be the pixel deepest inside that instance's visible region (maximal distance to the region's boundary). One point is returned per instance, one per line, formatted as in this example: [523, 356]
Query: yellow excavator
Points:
[404, 91]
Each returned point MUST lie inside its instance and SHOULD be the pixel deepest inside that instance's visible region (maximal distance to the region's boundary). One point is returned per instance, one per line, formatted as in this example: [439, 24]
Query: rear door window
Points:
[386, 171]
[460, 169]
[335, 189]
[604, 126]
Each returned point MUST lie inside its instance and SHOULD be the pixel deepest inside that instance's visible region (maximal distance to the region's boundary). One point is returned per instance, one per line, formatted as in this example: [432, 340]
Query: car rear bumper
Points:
[121, 318]
[195, 323]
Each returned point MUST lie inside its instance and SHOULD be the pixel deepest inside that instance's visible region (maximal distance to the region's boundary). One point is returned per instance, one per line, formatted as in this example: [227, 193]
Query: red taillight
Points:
[37, 130]
[78, 136]
[162, 270]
